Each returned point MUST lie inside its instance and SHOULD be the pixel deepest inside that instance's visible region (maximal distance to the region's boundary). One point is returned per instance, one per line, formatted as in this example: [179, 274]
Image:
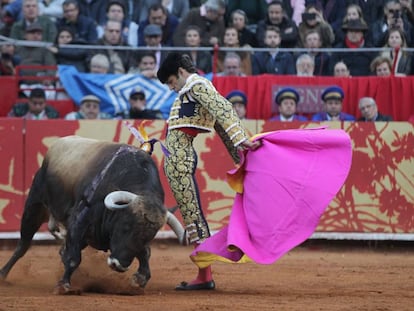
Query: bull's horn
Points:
[123, 197]
[178, 229]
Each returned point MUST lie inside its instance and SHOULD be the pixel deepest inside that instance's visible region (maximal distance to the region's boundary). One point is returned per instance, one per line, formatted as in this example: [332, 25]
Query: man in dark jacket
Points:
[138, 110]
[392, 18]
[94, 9]
[158, 15]
[276, 17]
[35, 108]
[275, 62]
[369, 111]
[209, 18]
[120, 60]
[31, 15]
[83, 27]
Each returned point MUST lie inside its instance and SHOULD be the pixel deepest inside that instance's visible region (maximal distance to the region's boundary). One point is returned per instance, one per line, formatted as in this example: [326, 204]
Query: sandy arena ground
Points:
[314, 276]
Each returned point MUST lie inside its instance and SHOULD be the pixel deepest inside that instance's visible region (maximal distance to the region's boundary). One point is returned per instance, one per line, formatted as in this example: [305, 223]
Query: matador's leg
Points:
[180, 169]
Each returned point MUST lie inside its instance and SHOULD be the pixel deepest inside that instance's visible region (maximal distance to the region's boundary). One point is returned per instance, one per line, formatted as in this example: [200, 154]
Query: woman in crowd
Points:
[238, 20]
[66, 55]
[353, 11]
[201, 59]
[231, 40]
[381, 66]
[401, 60]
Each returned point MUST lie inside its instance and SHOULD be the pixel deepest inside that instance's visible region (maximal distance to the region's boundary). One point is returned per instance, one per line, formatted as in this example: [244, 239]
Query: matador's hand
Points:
[251, 145]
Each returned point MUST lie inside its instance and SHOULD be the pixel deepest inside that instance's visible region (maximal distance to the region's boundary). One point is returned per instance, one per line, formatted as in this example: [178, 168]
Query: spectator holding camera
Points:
[393, 18]
[312, 19]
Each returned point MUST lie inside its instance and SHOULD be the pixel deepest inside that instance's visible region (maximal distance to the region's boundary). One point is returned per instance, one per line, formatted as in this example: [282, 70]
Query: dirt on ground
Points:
[313, 276]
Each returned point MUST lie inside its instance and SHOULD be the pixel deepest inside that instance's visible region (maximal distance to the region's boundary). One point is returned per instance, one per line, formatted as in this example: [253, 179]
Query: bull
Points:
[102, 194]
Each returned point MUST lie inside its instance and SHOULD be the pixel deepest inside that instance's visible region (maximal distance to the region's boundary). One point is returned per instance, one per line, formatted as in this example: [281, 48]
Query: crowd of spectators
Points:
[135, 33]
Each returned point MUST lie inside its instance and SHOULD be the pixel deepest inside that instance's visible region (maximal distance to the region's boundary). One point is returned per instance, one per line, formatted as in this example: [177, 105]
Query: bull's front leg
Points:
[71, 253]
[142, 276]
[71, 258]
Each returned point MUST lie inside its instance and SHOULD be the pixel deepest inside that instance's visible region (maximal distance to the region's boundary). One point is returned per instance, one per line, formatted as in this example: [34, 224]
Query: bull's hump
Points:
[70, 156]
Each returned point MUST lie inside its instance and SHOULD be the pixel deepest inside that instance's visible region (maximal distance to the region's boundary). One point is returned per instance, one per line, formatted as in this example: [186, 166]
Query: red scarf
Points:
[353, 45]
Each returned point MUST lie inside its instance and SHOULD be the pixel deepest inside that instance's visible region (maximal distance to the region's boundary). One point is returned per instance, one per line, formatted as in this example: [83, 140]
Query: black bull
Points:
[78, 190]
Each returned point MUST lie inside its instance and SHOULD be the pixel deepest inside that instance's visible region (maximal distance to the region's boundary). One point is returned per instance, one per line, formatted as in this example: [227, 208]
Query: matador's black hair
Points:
[172, 62]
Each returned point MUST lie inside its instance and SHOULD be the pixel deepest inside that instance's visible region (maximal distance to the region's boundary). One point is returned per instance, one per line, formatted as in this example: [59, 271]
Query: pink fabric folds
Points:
[288, 183]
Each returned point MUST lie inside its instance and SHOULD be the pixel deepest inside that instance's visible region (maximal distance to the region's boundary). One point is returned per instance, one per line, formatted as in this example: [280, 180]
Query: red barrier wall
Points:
[376, 198]
[8, 94]
[393, 94]
[12, 173]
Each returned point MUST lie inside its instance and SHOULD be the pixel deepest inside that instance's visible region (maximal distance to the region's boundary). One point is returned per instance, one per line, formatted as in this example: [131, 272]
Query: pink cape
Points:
[288, 183]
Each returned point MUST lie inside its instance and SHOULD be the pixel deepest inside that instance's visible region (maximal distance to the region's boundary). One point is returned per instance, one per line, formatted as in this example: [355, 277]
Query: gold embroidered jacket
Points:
[199, 105]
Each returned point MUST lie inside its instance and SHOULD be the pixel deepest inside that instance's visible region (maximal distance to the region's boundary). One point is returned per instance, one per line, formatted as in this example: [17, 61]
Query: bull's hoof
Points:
[139, 280]
[66, 289]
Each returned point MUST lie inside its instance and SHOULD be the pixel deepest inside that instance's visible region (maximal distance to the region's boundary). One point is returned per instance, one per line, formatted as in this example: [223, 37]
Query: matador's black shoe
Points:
[201, 286]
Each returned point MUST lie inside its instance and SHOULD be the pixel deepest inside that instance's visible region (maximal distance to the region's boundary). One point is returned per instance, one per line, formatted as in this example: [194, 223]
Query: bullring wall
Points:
[376, 202]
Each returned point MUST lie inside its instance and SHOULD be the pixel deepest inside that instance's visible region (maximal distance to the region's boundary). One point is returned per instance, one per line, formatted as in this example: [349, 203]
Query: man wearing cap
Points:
[89, 109]
[332, 98]
[287, 100]
[30, 10]
[152, 38]
[358, 62]
[138, 110]
[197, 109]
[239, 101]
[36, 108]
[35, 55]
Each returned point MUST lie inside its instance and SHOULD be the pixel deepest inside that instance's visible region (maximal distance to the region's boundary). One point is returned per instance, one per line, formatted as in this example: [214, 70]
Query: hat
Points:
[34, 27]
[332, 92]
[91, 98]
[287, 92]
[237, 96]
[137, 90]
[169, 66]
[152, 30]
[355, 24]
[37, 93]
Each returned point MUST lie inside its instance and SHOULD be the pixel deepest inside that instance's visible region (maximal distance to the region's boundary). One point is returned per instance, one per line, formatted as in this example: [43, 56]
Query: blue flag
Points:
[113, 89]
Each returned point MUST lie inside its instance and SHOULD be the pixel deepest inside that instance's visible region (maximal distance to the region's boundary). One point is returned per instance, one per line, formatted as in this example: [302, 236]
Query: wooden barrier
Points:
[376, 199]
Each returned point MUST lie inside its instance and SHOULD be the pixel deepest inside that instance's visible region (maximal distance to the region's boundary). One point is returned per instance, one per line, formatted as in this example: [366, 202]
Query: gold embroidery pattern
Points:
[210, 108]
[223, 111]
[180, 168]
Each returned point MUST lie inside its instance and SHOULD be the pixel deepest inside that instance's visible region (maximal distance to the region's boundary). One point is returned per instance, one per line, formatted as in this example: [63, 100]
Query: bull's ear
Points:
[119, 199]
